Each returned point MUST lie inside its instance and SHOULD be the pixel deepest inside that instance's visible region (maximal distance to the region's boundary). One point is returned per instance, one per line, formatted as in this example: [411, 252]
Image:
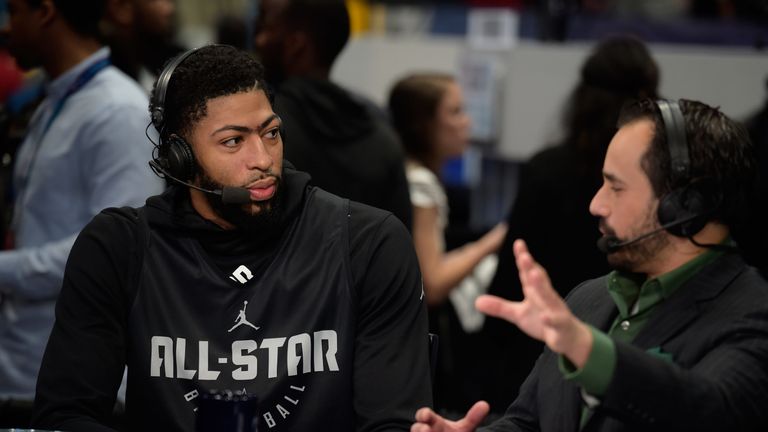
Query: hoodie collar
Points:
[173, 211]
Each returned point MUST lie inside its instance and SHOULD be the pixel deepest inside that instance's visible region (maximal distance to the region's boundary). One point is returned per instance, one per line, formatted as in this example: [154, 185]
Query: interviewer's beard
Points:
[631, 258]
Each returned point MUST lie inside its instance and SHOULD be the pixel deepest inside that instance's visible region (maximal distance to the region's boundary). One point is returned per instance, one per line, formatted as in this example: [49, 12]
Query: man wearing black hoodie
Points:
[342, 140]
[241, 276]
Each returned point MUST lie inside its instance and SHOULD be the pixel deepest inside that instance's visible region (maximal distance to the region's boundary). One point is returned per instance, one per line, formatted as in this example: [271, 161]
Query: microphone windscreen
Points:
[235, 195]
[608, 244]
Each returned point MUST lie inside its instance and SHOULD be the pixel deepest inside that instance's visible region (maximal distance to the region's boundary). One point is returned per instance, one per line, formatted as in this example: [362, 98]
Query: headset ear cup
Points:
[180, 159]
[669, 208]
[697, 206]
[157, 117]
[681, 204]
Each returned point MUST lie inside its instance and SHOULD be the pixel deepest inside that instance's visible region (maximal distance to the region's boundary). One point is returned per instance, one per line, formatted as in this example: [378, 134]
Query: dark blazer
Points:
[714, 334]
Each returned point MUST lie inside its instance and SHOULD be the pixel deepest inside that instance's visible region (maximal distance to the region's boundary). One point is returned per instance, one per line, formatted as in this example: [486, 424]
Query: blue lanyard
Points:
[79, 82]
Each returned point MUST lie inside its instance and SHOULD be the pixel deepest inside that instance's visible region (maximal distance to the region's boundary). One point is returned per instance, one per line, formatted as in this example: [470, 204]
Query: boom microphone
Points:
[229, 194]
[610, 244]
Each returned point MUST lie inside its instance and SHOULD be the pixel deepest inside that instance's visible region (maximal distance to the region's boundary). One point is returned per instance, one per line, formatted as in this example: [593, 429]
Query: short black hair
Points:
[210, 72]
[82, 15]
[326, 21]
[720, 152]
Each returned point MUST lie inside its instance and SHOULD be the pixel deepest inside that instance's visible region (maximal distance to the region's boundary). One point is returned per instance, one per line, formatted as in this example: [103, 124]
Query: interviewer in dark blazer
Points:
[676, 337]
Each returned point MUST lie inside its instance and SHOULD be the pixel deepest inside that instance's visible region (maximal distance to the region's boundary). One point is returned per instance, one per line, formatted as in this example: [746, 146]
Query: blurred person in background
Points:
[753, 236]
[427, 110]
[12, 80]
[232, 29]
[85, 150]
[342, 140]
[142, 36]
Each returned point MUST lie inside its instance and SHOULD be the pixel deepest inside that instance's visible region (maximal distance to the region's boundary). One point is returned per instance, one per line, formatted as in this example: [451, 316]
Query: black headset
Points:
[174, 154]
[689, 201]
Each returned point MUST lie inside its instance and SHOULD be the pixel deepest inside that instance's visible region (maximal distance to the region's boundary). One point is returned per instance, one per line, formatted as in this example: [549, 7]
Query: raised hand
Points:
[542, 314]
[429, 421]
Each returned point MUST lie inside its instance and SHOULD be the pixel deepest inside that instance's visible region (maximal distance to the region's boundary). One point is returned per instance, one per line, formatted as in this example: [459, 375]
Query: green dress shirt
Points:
[636, 298]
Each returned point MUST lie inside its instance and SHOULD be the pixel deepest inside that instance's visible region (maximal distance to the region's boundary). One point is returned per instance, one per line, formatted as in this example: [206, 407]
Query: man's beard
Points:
[632, 258]
[244, 217]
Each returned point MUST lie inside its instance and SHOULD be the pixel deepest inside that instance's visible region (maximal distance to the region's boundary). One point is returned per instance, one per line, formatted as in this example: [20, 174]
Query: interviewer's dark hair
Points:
[720, 152]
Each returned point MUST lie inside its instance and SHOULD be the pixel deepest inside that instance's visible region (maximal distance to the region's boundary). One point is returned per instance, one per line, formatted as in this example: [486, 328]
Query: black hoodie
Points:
[349, 149]
[320, 315]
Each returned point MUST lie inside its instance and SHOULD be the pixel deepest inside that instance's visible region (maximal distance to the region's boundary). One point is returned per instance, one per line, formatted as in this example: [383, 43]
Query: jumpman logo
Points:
[241, 319]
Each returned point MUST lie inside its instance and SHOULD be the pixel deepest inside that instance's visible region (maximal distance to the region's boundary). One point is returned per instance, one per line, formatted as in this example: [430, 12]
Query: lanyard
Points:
[78, 84]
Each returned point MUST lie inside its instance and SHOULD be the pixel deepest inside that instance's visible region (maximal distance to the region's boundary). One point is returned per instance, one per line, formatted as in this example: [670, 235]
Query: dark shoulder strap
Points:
[142, 227]
[141, 244]
[335, 210]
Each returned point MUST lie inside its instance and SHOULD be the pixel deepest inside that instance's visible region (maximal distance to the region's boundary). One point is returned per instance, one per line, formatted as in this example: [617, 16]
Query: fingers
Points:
[519, 247]
[523, 257]
[523, 260]
[427, 421]
[426, 415]
[498, 307]
[539, 291]
[420, 427]
[476, 414]
[534, 279]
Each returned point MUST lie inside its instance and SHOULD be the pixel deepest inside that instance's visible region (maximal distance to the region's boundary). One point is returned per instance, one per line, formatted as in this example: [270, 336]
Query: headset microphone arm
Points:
[610, 244]
[229, 194]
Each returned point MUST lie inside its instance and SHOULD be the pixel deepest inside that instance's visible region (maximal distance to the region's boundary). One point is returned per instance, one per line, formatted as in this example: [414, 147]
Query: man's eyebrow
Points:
[269, 120]
[611, 177]
[244, 129]
[236, 128]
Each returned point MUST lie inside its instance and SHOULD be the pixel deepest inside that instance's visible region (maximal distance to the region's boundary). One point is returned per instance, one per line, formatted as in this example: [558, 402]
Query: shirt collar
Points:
[57, 88]
[626, 288]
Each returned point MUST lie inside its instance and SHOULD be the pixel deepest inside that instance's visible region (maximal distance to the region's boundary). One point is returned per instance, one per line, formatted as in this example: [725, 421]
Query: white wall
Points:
[537, 78]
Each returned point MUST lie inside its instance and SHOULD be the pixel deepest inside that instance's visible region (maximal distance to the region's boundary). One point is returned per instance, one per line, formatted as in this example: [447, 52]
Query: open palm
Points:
[542, 314]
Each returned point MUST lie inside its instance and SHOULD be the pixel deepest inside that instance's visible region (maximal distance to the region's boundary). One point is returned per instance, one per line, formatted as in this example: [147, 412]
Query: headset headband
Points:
[674, 123]
[158, 101]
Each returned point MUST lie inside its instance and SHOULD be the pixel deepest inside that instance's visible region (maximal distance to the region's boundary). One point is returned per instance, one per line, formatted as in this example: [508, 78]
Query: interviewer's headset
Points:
[173, 153]
[691, 202]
